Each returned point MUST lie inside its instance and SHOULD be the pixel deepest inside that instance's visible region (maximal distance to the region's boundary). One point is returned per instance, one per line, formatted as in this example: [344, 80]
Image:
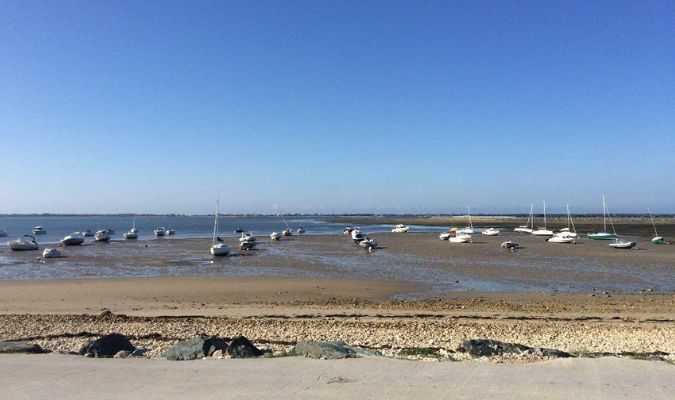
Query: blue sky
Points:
[336, 106]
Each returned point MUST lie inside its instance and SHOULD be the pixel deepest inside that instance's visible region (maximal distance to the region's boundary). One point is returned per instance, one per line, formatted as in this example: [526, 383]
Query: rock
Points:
[487, 347]
[327, 350]
[138, 353]
[20, 347]
[122, 354]
[218, 355]
[107, 346]
[195, 348]
[106, 314]
[240, 347]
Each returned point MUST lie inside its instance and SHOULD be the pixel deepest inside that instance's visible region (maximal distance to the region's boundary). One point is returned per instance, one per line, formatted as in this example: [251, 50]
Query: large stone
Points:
[19, 347]
[487, 347]
[328, 350]
[195, 348]
[107, 346]
[240, 347]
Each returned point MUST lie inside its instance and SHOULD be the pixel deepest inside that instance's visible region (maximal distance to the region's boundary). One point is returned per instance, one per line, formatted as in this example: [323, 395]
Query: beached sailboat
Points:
[604, 235]
[566, 235]
[275, 236]
[24, 243]
[218, 247]
[247, 241]
[133, 233]
[529, 225]
[656, 239]
[469, 229]
[543, 231]
[287, 231]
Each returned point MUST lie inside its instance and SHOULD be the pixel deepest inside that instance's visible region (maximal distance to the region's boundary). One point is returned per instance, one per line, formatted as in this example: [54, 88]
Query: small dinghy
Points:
[509, 245]
[24, 243]
[159, 232]
[51, 253]
[460, 238]
[490, 232]
[74, 239]
[622, 244]
[275, 236]
[38, 230]
[102, 236]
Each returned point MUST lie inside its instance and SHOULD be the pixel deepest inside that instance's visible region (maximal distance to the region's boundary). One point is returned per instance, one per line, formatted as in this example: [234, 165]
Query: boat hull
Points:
[220, 250]
[23, 246]
[658, 240]
[73, 241]
[602, 236]
[623, 245]
[523, 230]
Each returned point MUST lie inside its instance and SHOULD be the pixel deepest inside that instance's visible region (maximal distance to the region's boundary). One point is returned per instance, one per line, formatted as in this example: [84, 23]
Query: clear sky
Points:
[336, 106]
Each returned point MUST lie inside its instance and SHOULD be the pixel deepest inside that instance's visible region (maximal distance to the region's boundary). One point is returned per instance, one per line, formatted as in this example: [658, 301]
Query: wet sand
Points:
[421, 258]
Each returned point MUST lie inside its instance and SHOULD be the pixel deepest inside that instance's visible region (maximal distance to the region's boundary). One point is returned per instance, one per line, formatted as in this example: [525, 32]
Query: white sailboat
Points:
[287, 231]
[133, 233]
[469, 229]
[530, 221]
[566, 235]
[604, 235]
[656, 239]
[218, 248]
[543, 231]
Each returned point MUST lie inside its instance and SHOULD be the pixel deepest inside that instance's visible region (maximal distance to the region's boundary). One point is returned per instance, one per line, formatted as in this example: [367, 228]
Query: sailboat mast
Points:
[215, 223]
[653, 224]
[530, 219]
[604, 214]
[470, 220]
[544, 213]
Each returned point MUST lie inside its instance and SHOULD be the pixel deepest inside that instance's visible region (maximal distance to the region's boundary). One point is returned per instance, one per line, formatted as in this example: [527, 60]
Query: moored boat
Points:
[218, 246]
[490, 232]
[51, 253]
[159, 232]
[102, 236]
[542, 231]
[529, 224]
[275, 236]
[74, 239]
[604, 235]
[24, 243]
[38, 230]
[400, 228]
